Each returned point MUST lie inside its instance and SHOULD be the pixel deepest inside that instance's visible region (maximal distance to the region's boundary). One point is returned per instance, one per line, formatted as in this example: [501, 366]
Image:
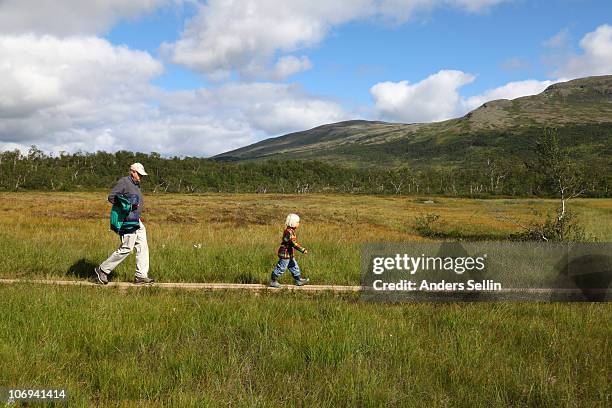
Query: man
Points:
[131, 229]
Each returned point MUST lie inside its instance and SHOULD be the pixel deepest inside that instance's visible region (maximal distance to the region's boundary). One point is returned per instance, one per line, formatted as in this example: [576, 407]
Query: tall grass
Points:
[151, 347]
[233, 238]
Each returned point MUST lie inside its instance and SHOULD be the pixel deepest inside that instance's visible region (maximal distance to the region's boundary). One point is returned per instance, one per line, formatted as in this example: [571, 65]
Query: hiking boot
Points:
[301, 281]
[143, 281]
[275, 284]
[102, 277]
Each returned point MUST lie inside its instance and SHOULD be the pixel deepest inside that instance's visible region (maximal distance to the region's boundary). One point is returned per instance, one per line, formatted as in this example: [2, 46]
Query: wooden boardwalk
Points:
[190, 286]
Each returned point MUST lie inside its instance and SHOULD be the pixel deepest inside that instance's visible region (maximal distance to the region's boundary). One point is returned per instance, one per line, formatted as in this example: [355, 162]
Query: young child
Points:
[285, 254]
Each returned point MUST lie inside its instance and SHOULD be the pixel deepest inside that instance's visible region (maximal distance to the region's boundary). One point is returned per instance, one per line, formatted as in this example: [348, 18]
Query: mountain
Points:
[581, 111]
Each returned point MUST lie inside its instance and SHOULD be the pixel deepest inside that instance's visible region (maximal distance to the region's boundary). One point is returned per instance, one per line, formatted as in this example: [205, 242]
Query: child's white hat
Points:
[292, 220]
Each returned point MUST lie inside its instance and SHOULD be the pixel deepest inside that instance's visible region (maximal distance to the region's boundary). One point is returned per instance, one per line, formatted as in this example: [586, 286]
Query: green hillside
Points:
[581, 110]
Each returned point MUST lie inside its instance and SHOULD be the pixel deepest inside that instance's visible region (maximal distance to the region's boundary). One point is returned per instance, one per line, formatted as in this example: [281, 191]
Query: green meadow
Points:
[155, 347]
[147, 346]
[234, 237]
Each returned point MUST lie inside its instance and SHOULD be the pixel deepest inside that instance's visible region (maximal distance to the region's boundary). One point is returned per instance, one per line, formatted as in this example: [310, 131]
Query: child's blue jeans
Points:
[282, 265]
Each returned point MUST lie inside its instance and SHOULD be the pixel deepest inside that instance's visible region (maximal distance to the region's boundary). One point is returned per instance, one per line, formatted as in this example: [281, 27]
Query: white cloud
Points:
[402, 10]
[511, 90]
[285, 67]
[243, 36]
[432, 99]
[437, 97]
[596, 58]
[85, 93]
[289, 65]
[264, 108]
[475, 6]
[69, 17]
[560, 40]
[50, 84]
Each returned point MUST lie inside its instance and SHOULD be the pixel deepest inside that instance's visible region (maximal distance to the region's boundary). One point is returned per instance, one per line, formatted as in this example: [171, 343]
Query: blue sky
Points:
[198, 77]
[356, 55]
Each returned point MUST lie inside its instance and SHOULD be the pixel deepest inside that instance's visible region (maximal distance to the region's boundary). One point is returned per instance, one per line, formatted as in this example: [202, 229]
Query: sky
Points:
[198, 78]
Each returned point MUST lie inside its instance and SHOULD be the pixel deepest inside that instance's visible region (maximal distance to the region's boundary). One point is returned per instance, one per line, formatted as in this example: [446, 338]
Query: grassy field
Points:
[168, 348]
[234, 238]
[156, 347]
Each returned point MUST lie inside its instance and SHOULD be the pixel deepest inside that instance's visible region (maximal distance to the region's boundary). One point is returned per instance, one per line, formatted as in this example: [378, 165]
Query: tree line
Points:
[490, 176]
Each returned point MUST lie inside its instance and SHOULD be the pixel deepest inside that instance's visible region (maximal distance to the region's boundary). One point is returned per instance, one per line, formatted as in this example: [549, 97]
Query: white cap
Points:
[138, 168]
[292, 220]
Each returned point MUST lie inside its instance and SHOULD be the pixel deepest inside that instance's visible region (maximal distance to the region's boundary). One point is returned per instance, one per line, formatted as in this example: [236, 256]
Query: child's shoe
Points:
[275, 284]
[301, 281]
